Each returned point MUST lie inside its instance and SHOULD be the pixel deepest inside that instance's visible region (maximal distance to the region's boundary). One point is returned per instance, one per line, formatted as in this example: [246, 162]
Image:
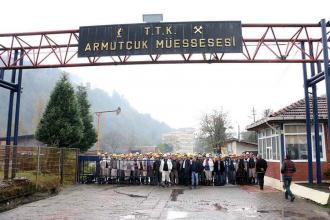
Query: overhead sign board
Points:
[160, 38]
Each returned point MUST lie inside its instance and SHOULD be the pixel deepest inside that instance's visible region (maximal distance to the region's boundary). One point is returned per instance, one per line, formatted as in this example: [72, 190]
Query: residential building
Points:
[182, 140]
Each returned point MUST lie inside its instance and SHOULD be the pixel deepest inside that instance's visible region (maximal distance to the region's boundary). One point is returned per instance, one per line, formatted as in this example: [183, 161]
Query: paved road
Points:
[145, 202]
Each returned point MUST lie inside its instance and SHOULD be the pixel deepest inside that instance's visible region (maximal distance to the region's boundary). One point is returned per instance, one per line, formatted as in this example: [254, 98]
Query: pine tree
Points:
[89, 134]
[61, 123]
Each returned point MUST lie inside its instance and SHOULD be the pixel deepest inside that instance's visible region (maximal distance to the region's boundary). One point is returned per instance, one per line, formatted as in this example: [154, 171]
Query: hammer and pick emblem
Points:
[198, 29]
[119, 32]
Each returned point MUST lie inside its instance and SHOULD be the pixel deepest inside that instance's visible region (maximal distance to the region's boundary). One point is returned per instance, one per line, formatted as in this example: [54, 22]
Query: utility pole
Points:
[98, 114]
[254, 114]
[238, 133]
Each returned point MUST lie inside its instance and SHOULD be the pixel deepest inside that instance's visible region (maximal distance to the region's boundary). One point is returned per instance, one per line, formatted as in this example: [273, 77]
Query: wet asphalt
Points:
[151, 202]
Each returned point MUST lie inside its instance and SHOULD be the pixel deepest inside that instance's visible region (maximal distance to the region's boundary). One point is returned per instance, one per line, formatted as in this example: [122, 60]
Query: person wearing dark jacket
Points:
[261, 167]
[231, 172]
[223, 174]
[174, 176]
[195, 168]
[155, 168]
[288, 168]
[185, 170]
[202, 177]
[240, 174]
[219, 170]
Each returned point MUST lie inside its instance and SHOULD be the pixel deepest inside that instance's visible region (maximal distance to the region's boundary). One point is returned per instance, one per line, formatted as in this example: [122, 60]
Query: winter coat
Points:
[103, 163]
[113, 163]
[175, 164]
[129, 165]
[288, 168]
[210, 164]
[196, 166]
[186, 170]
[261, 164]
[156, 165]
[124, 165]
[216, 166]
[169, 165]
[252, 163]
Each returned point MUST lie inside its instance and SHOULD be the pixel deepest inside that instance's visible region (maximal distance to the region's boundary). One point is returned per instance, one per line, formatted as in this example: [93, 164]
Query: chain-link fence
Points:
[45, 167]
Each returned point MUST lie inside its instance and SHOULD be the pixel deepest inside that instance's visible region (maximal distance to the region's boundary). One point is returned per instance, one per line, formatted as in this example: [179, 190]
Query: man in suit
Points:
[185, 170]
[156, 172]
[174, 173]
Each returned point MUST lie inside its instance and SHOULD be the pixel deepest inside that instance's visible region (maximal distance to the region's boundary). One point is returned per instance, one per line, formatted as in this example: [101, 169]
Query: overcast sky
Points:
[179, 94]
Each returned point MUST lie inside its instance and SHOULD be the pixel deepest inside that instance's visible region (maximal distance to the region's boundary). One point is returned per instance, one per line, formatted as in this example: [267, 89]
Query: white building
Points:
[235, 146]
[182, 140]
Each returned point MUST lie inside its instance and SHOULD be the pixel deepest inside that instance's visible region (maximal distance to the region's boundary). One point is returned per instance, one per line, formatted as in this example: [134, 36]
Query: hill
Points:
[129, 128]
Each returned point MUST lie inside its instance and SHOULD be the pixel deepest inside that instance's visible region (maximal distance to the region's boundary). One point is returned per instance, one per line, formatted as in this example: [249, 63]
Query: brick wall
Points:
[273, 169]
[302, 170]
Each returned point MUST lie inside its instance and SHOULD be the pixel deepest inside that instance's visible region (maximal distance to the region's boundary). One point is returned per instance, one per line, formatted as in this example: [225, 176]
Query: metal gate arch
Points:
[54, 49]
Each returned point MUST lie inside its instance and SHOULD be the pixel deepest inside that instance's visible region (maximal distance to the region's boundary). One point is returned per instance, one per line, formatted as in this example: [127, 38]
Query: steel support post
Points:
[308, 124]
[17, 110]
[2, 73]
[282, 144]
[9, 123]
[326, 70]
[316, 121]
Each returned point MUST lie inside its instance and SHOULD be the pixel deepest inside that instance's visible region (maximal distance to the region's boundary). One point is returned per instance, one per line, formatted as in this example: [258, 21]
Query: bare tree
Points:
[111, 141]
[214, 129]
[249, 136]
[267, 112]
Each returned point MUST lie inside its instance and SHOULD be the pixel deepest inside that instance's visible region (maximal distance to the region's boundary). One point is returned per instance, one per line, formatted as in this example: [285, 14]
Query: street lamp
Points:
[98, 114]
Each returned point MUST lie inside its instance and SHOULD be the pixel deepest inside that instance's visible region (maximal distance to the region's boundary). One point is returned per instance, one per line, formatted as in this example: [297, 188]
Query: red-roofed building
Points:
[291, 123]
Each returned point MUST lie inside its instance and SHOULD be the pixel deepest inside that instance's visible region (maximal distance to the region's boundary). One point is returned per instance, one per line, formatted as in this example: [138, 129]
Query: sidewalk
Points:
[320, 196]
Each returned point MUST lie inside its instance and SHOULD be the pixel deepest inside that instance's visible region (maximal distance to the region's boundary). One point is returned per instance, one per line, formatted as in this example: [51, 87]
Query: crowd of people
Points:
[182, 169]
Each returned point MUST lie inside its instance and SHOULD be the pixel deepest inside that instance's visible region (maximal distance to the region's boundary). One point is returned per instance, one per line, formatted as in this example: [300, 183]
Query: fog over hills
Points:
[129, 128]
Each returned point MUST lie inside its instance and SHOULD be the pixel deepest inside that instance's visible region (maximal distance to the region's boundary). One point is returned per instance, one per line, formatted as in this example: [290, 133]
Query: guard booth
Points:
[88, 168]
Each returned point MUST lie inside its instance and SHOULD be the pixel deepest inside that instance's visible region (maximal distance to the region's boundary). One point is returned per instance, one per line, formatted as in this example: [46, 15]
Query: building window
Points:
[296, 146]
[321, 145]
[268, 144]
[296, 141]
[274, 153]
